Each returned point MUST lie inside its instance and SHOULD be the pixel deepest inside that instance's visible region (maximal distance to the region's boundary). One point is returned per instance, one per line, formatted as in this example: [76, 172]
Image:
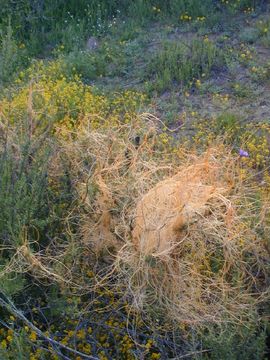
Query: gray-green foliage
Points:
[32, 210]
[249, 35]
[11, 282]
[236, 342]
[23, 185]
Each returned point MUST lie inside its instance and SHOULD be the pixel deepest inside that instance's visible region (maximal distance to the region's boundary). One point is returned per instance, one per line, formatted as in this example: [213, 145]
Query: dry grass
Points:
[110, 171]
[212, 264]
[180, 229]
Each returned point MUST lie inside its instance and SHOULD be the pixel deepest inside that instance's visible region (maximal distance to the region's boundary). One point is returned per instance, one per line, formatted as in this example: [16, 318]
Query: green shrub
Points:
[88, 65]
[180, 63]
[23, 193]
[249, 35]
[235, 342]
[33, 207]
[12, 56]
[263, 29]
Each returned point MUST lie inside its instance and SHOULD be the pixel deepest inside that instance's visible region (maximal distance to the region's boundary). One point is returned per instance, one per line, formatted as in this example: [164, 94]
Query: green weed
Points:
[263, 29]
[12, 55]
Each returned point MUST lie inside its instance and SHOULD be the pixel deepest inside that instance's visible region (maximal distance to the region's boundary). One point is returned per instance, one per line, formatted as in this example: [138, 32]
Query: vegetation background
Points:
[125, 87]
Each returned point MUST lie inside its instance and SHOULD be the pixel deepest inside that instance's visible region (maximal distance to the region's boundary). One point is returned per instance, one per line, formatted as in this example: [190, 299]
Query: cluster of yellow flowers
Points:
[7, 337]
[66, 102]
[239, 5]
[245, 53]
[106, 329]
[201, 18]
[257, 146]
[185, 17]
[253, 138]
[156, 9]
[249, 10]
[260, 72]
[222, 98]
[263, 26]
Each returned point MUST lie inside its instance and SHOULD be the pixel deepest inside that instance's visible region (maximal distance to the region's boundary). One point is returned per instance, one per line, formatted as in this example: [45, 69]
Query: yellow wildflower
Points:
[33, 336]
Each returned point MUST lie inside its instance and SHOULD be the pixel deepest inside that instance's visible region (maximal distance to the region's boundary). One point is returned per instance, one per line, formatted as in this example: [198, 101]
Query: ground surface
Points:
[238, 88]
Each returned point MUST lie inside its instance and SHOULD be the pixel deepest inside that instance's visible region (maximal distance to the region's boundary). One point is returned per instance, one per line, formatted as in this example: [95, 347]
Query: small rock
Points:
[92, 43]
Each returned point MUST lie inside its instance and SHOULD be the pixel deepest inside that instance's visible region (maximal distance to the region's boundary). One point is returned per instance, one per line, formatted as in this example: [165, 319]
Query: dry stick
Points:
[149, 116]
[190, 354]
[17, 313]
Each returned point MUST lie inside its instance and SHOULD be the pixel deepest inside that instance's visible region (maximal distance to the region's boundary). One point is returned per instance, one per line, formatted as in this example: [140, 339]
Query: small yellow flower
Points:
[33, 336]
[149, 344]
[90, 273]
[155, 356]
[3, 344]
[81, 334]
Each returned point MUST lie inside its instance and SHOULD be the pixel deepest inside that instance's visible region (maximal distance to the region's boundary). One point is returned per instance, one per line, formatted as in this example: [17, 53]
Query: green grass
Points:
[55, 21]
[183, 64]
